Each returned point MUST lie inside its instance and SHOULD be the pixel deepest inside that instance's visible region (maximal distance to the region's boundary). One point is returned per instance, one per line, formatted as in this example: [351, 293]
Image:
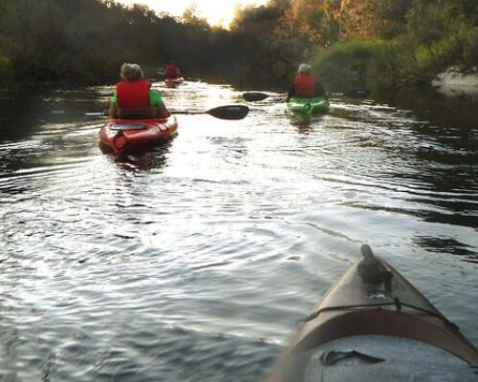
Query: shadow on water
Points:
[445, 136]
[22, 113]
[306, 124]
[302, 123]
[451, 119]
[448, 245]
[18, 117]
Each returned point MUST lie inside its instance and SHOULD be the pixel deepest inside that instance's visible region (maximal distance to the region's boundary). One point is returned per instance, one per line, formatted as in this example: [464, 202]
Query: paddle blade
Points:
[95, 113]
[229, 111]
[254, 96]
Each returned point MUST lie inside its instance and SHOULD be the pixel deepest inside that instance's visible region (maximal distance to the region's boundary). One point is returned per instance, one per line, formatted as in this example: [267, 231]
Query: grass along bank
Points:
[399, 63]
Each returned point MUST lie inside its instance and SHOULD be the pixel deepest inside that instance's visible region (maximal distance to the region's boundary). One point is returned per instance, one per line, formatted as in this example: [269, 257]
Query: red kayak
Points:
[173, 82]
[121, 136]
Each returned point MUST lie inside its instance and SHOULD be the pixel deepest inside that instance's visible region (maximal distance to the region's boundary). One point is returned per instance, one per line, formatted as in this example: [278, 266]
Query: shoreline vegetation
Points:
[350, 44]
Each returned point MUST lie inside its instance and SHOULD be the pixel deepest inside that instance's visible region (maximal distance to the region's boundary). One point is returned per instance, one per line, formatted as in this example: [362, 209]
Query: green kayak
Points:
[308, 106]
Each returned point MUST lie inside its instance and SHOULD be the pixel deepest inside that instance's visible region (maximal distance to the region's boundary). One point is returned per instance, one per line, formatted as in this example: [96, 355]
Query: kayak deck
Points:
[371, 358]
[308, 106]
[370, 309]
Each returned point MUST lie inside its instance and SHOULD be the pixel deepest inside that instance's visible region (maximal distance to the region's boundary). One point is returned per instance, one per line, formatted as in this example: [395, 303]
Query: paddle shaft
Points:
[229, 112]
[258, 96]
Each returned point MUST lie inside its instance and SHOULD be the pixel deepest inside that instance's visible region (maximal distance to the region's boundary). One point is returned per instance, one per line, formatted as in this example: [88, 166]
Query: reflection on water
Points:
[153, 159]
[197, 260]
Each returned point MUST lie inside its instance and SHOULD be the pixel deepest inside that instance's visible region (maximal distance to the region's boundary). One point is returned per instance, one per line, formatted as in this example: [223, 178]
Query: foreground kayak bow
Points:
[373, 325]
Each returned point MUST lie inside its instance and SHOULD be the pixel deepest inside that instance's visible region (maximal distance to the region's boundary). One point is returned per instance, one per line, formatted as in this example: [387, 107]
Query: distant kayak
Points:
[173, 82]
[121, 136]
[373, 325]
[308, 106]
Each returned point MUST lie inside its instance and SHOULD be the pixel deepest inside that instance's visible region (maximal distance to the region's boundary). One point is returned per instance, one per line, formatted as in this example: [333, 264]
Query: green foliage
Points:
[407, 61]
[401, 42]
[350, 42]
[469, 45]
[85, 41]
[5, 71]
[394, 64]
[345, 65]
[266, 50]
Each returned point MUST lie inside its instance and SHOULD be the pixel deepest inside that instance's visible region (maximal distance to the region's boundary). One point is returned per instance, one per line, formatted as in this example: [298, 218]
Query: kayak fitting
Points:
[120, 140]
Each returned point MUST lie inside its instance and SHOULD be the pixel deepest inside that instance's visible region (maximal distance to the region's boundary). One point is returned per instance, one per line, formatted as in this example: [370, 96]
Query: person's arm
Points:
[162, 110]
[113, 112]
[290, 94]
[320, 89]
[158, 104]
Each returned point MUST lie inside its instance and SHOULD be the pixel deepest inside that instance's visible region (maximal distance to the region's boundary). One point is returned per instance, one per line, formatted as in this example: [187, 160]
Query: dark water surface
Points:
[197, 261]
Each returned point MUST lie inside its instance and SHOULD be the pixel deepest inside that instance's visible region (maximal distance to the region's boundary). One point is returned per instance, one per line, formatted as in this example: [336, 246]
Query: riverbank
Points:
[455, 82]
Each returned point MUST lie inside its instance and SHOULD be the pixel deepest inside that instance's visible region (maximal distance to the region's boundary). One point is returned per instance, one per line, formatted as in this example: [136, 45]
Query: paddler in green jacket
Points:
[305, 85]
[134, 98]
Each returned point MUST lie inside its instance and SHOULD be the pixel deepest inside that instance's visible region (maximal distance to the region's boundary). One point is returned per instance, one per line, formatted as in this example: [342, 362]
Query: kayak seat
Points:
[333, 357]
[138, 113]
[127, 126]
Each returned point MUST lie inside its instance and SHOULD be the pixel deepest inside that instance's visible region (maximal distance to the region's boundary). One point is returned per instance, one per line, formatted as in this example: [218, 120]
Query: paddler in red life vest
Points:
[134, 97]
[172, 71]
[305, 85]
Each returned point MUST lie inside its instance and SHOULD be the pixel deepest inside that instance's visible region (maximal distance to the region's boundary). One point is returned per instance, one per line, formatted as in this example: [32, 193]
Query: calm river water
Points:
[196, 262]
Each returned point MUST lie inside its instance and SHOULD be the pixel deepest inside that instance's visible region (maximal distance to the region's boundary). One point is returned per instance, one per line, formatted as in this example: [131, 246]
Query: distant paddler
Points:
[172, 71]
[307, 95]
[305, 85]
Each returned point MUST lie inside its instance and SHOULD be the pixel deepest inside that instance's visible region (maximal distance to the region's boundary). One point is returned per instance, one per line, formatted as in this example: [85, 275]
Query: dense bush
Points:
[5, 71]
[85, 41]
[373, 42]
[345, 65]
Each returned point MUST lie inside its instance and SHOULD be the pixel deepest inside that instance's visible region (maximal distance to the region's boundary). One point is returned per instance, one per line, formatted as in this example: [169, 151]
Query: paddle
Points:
[258, 96]
[229, 112]
[221, 112]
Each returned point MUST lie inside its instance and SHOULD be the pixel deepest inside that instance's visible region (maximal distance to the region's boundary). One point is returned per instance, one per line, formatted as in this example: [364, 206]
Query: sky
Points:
[216, 12]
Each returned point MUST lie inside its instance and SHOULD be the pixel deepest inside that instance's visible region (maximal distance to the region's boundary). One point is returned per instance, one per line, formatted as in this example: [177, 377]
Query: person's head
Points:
[131, 72]
[304, 68]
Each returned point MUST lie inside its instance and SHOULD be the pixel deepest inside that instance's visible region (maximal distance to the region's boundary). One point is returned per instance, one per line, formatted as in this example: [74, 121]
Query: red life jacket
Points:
[304, 85]
[133, 94]
[171, 71]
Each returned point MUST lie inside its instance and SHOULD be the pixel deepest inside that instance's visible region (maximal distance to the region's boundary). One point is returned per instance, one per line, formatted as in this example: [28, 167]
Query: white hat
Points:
[304, 68]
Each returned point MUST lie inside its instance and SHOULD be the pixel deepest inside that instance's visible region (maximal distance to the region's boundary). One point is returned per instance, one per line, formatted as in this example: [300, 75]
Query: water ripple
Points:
[196, 261]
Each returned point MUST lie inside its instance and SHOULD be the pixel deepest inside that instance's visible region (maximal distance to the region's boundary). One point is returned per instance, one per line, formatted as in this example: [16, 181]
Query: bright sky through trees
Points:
[216, 12]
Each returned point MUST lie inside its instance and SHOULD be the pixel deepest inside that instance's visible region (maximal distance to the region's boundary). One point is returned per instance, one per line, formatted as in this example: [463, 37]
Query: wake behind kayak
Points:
[373, 325]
